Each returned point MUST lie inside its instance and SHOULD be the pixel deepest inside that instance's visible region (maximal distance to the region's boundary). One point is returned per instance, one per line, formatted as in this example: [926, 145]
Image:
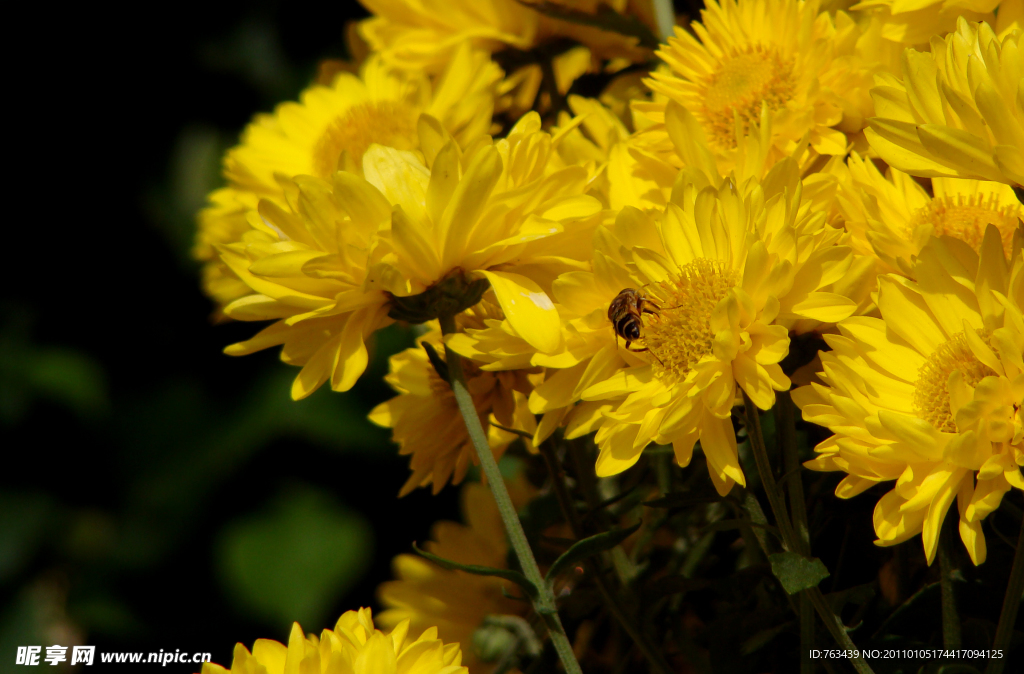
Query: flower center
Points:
[388, 123]
[681, 334]
[965, 217]
[744, 80]
[931, 390]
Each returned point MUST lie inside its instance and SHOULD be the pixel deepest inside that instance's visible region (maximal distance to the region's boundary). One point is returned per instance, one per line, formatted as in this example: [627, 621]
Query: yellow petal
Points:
[467, 203]
[916, 324]
[445, 174]
[718, 440]
[963, 149]
[271, 654]
[377, 656]
[400, 176]
[414, 247]
[898, 144]
[528, 309]
[937, 512]
[825, 307]
[258, 308]
[363, 202]
[316, 370]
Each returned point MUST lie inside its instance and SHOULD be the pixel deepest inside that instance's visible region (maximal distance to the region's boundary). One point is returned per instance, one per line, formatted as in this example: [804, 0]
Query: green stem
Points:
[837, 628]
[572, 516]
[789, 539]
[545, 602]
[950, 617]
[785, 424]
[764, 469]
[1011, 605]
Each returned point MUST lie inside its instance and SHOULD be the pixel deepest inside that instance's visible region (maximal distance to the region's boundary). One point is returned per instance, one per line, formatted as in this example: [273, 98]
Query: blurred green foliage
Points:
[289, 562]
[157, 493]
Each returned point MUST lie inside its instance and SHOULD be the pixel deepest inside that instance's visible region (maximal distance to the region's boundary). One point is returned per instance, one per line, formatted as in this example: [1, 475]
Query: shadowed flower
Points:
[354, 647]
[957, 111]
[455, 602]
[329, 129]
[422, 34]
[425, 419]
[930, 394]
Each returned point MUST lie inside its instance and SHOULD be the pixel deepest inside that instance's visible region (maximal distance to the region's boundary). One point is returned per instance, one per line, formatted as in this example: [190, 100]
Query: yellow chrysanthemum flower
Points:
[354, 647]
[598, 140]
[329, 129]
[894, 217]
[427, 595]
[913, 22]
[422, 34]
[730, 270]
[784, 54]
[425, 419]
[930, 395]
[958, 111]
[345, 254]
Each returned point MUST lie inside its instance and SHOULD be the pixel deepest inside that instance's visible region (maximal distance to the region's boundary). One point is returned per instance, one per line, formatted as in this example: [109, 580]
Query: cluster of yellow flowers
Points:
[633, 265]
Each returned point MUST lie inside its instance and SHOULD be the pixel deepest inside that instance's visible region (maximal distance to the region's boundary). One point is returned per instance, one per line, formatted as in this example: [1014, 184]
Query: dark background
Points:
[157, 494]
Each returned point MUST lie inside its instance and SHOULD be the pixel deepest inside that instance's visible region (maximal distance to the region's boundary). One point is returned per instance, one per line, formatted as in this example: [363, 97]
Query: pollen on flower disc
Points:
[966, 217]
[741, 82]
[389, 123]
[931, 390]
[681, 335]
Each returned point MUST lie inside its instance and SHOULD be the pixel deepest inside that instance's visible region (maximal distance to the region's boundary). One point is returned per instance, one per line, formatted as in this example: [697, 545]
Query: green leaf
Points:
[295, 561]
[604, 18]
[797, 572]
[588, 547]
[508, 574]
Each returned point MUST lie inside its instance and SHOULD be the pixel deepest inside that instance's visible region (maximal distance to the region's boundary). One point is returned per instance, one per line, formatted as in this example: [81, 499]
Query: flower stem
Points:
[764, 469]
[544, 604]
[950, 617]
[785, 424]
[1011, 605]
[789, 539]
[611, 603]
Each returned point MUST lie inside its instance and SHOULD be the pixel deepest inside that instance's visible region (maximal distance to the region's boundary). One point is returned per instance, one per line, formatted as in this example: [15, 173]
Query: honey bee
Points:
[626, 314]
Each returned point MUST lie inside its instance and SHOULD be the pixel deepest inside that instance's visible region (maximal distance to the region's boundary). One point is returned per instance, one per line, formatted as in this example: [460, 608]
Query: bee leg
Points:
[642, 350]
